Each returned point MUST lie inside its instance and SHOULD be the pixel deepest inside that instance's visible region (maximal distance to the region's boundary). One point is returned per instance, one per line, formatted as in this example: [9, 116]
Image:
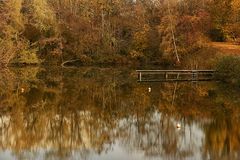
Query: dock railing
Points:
[175, 75]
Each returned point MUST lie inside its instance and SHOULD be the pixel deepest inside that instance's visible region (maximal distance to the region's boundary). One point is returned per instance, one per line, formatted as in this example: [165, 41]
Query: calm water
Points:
[104, 114]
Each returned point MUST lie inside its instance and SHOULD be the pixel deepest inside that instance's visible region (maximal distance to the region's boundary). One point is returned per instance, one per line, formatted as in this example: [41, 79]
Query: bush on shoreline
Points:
[228, 69]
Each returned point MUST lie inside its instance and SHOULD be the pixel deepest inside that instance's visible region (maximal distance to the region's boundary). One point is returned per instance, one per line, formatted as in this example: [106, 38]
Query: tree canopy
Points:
[114, 32]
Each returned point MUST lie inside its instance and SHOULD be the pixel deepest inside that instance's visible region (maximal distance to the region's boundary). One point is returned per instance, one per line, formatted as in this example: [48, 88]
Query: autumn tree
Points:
[220, 11]
[41, 29]
[232, 28]
[11, 26]
[112, 31]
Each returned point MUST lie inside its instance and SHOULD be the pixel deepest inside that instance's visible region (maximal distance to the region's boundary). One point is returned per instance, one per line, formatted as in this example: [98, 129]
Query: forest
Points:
[115, 32]
[69, 89]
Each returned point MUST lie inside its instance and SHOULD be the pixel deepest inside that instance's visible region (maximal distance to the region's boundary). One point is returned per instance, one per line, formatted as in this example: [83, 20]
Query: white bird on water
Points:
[149, 89]
[178, 126]
[22, 90]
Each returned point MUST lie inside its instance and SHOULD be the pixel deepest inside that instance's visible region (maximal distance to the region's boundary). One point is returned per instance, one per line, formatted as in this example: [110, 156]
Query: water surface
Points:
[96, 113]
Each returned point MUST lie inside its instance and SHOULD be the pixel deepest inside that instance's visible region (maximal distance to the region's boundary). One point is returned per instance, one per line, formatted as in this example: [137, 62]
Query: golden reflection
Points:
[91, 110]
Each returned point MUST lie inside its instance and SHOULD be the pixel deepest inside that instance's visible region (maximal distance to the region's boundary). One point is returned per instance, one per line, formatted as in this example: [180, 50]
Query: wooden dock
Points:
[175, 75]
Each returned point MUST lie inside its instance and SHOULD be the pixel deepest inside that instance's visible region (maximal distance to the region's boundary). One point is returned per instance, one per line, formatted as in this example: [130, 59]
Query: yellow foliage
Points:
[135, 54]
[140, 38]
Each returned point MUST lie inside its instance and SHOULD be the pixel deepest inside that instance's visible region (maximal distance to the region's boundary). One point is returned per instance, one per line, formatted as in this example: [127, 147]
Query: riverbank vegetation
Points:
[228, 70]
[113, 32]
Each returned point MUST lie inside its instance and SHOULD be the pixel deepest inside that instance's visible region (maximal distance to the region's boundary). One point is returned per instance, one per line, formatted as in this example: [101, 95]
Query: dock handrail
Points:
[167, 73]
[175, 70]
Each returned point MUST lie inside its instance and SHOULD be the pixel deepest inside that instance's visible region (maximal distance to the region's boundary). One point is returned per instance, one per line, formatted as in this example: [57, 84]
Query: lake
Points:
[94, 113]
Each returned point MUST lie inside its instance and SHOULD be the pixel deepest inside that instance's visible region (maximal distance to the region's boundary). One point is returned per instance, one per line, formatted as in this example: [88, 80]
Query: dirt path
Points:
[226, 48]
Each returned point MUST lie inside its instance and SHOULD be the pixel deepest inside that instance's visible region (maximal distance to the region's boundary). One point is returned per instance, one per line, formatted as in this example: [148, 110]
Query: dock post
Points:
[140, 76]
[194, 75]
[166, 75]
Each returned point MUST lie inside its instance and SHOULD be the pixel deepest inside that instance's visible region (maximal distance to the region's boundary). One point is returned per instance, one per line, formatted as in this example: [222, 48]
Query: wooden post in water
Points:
[194, 75]
[140, 76]
[166, 75]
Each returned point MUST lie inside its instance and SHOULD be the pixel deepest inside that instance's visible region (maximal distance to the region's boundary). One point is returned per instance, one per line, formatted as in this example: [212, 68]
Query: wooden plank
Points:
[178, 80]
[175, 70]
[140, 76]
[176, 73]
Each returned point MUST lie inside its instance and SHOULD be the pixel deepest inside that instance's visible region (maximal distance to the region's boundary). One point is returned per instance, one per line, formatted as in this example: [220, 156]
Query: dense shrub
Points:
[229, 69]
[26, 57]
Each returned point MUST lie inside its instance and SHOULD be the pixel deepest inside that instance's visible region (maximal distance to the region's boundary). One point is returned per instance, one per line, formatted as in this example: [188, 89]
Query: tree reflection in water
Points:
[92, 112]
